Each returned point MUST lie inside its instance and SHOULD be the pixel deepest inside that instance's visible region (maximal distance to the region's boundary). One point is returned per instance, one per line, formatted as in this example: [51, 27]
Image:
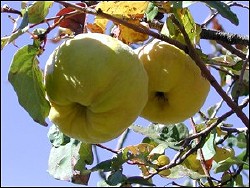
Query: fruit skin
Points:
[177, 90]
[96, 86]
[191, 162]
[163, 160]
[165, 173]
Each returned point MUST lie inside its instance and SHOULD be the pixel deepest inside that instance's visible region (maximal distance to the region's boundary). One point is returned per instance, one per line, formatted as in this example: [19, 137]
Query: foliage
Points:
[207, 150]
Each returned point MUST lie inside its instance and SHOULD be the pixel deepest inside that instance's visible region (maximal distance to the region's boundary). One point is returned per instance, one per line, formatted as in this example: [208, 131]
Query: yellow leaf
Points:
[124, 9]
[120, 9]
[129, 36]
[94, 28]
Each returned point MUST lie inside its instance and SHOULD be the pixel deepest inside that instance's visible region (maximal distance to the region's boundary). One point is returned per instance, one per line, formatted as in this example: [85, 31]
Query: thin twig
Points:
[240, 81]
[216, 110]
[215, 13]
[211, 127]
[122, 139]
[232, 49]
[7, 9]
[210, 34]
[179, 158]
[222, 70]
[106, 148]
[101, 173]
[202, 158]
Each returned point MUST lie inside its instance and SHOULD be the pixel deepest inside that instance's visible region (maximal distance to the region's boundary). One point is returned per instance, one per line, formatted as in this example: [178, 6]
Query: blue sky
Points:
[24, 144]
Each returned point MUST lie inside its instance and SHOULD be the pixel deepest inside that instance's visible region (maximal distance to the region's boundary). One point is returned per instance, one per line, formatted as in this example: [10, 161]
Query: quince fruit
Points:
[163, 160]
[177, 90]
[96, 86]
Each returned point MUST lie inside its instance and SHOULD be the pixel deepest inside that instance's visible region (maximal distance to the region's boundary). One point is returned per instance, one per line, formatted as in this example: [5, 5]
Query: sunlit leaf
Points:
[120, 9]
[180, 171]
[64, 162]
[38, 11]
[185, 18]
[129, 36]
[151, 11]
[56, 137]
[208, 148]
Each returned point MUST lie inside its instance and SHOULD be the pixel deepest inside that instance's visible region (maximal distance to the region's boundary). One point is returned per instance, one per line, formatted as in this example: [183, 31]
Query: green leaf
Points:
[240, 89]
[238, 181]
[159, 149]
[208, 148]
[169, 135]
[193, 30]
[180, 171]
[56, 137]
[149, 141]
[139, 180]
[212, 110]
[241, 141]
[224, 165]
[224, 10]
[4, 41]
[103, 183]
[116, 177]
[223, 78]
[112, 164]
[38, 11]
[103, 166]
[27, 80]
[151, 11]
[241, 156]
[177, 4]
[185, 18]
[175, 132]
[85, 156]
[68, 162]
[187, 3]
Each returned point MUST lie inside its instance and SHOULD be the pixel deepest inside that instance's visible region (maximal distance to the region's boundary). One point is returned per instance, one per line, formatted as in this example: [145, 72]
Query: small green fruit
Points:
[163, 160]
[165, 173]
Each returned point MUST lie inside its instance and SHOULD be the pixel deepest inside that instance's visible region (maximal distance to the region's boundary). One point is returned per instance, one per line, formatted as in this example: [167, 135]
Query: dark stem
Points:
[228, 38]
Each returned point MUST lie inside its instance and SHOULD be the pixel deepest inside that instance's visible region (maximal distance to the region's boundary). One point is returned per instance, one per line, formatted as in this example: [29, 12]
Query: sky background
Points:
[25, 146]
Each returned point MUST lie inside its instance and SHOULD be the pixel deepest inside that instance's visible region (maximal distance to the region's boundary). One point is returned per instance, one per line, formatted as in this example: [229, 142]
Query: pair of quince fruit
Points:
[98, 86]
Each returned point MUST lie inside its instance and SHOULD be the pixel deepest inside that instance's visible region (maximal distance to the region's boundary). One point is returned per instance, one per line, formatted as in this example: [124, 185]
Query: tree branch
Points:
[228, 38]
[209, 34]
[6, 9]
[192, 53]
